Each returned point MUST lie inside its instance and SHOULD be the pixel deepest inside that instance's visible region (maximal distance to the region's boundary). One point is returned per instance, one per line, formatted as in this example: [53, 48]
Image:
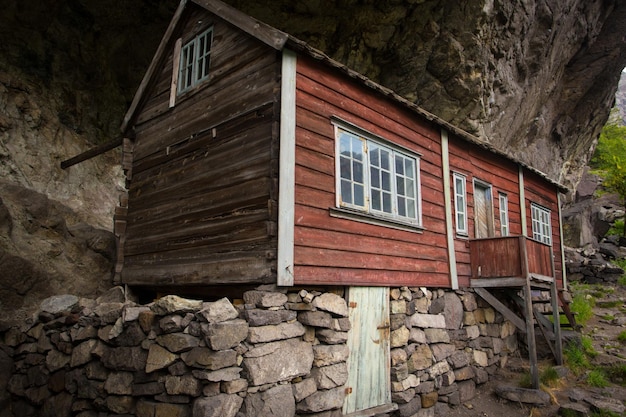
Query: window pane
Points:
[357, 149]
[401, 206]
[346, 191]
[387, 202]
[400, 186]
[386, 181]
[399, 165]
[411, 212]
[357, 171]
[384, 159]
[409, 168]
[376, 200]
[359, 198]
[410, 188]
[375, 177]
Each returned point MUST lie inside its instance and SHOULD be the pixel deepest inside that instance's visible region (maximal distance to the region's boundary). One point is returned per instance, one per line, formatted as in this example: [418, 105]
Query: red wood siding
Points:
[330, 250]
[540, 192]
[476, 163]
[203, 194]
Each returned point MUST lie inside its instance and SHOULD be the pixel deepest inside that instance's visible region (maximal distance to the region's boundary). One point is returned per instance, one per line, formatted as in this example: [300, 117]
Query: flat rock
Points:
[58, 303]
[171, 304]
[523, 395]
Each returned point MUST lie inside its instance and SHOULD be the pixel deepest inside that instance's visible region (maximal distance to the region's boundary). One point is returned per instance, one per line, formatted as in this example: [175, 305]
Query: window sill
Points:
[344, 213]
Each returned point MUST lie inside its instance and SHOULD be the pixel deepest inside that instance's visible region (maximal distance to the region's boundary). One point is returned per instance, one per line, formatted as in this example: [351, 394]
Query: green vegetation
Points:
[609, 161]
[582, 305]
[596, 378]
[549, 377]
[617, 374]
[622, 336]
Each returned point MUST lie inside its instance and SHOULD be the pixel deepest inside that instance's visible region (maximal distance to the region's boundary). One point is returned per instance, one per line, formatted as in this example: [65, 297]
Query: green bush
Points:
[582, 305]
[622, 336]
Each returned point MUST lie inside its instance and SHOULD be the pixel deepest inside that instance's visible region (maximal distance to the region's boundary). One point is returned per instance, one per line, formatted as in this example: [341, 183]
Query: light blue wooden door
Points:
[369, 363]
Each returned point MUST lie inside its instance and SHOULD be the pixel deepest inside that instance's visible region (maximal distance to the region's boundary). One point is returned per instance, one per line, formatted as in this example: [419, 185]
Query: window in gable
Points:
[195, 60]
[504, 214]
[377, 178]
[460, 203]
[542, 230]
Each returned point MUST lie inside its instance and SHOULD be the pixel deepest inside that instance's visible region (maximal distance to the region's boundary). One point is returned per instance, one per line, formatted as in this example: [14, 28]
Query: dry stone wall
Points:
[274, 353]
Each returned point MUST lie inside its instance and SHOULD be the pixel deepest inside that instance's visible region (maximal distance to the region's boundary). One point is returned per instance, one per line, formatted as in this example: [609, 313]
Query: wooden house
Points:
[252, 158]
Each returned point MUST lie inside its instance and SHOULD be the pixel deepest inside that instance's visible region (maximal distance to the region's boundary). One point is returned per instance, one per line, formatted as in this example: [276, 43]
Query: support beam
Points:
[506, 312]
[558, 342]
[88, 154]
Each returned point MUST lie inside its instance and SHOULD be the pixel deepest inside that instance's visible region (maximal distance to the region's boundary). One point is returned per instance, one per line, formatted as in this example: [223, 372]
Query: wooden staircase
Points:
[513, 269]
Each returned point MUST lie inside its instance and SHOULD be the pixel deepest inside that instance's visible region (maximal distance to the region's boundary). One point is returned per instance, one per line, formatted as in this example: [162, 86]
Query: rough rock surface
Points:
[534, 79]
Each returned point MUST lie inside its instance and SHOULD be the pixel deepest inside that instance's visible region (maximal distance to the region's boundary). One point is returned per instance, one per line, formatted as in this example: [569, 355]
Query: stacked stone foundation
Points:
[273, 353]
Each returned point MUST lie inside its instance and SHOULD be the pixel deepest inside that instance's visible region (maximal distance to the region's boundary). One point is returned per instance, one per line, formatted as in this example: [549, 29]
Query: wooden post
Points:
[558, 343]
[530, 334]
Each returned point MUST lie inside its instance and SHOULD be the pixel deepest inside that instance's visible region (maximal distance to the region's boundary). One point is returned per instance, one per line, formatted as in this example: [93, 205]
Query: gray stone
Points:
[182, 385]
[442, 351]
[225, 334]
[606, 404]
[202, 357]
[417, 336]
[272, 333]
[304, 388]
[324, 355]
[112, 295]
[278, 361]
[157, 409]
[331, 337]
[398, 307]
[322, 401]
[437, 335]
[482, 375]
[224, 374]
[399, 337]
[159, 358]
[82, 353]
[265, 299]
[275, 402]
[316, 319]
[218, 311]
[178, 342]
[424, 321]
[330, 376]
[125, 358]
[403, 397]
[119, 383]
[574, 410]
[148, 388]
[469, 301]
[120, 404]
[58, 303]
[451, 307]
[420, 359]
[131, 313]
[171, 323]
[411, 408]
[234, 386]
[332, 303]
[439, 368]
[465, 373]
[172, 304]
[56, 360]
[221, 405]
[109, 312]
[259, 317]
[522, 395]
[459, 359]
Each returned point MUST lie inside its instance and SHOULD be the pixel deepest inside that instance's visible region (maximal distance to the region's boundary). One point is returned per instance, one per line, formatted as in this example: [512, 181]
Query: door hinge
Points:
[348, 390]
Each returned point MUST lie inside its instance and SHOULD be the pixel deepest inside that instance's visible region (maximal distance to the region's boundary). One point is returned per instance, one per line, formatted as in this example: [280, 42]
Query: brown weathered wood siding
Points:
[202, 199]
[477, 163]
[540, 192]
[331, 250]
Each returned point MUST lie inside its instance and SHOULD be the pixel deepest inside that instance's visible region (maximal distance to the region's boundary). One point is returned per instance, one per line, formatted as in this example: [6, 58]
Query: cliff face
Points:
[535, 78]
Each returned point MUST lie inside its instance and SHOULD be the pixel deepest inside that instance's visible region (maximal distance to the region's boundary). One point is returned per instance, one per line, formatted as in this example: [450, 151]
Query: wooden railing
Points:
[509, 257]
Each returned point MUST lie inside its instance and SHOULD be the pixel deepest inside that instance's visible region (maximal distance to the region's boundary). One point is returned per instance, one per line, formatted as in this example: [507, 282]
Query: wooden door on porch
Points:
[368, 388]
[483, 210]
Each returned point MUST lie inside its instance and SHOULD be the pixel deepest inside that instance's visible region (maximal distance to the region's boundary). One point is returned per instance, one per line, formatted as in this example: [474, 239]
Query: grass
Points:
[582, 305]
[597, 378]
[622, 336]
[617, 228]
[617, 374]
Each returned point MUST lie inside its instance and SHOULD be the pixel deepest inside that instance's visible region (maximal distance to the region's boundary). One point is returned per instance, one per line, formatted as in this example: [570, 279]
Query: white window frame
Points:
[503, 200]
[370, 143]
[460, 204]
[195, 61]
[541, 223]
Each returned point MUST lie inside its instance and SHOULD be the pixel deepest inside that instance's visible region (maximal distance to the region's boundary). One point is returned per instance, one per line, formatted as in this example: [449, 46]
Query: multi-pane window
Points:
[195, 59]
[460, 203]
[377, 178]
[542, 230]
[504, 214]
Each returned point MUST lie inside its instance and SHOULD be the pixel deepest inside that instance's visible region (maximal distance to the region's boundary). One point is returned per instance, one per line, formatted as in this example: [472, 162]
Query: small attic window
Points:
[195, 59]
